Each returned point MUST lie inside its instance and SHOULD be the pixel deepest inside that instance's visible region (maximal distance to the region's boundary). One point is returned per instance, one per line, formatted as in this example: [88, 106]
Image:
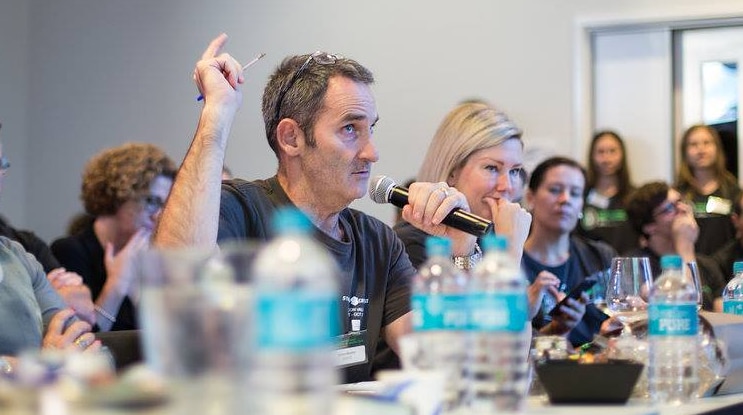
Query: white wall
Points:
[103, 72]
[14, 46]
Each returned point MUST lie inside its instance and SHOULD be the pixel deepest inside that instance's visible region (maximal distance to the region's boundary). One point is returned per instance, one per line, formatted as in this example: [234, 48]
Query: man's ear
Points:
[289, 137]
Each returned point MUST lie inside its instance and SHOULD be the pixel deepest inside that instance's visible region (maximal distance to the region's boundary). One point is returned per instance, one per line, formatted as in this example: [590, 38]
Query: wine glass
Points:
[628, 290]
[693, 273]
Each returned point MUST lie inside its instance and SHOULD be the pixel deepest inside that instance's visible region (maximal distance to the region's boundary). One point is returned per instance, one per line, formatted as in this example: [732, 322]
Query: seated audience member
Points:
[609, 183]
[667, 223]
[712, 190]
[32, 314]
[477, 151]
[319, 114]
[124, 189]
[733, 250]
[555, 260]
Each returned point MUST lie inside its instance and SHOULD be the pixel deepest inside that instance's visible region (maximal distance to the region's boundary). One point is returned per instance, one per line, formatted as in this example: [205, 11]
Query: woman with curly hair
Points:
[123, 191]
[704, 180]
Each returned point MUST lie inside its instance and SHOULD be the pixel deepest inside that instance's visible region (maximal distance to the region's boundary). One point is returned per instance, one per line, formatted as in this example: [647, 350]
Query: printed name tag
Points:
[351, 349]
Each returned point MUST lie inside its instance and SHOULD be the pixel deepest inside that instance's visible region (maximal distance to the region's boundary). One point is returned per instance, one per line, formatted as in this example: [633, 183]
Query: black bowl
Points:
[568, 381]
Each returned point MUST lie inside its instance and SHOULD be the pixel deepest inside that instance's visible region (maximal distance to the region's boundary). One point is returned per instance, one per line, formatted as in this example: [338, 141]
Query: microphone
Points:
[384, 190]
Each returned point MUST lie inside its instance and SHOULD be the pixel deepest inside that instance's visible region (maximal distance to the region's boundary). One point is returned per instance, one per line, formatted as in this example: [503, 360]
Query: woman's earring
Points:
[580, 215]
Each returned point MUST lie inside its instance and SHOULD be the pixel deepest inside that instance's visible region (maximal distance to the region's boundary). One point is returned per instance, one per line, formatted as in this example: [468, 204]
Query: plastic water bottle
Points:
[440, 320]
[673, 326]
[499, 322]
[732, 295]
[296, 318]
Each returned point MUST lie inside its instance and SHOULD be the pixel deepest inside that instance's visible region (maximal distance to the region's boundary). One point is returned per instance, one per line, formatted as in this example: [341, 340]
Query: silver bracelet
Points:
[100, 310]
[468, 262]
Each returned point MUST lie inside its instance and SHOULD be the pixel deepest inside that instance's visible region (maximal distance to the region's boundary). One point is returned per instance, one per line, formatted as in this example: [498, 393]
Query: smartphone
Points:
[575, 293]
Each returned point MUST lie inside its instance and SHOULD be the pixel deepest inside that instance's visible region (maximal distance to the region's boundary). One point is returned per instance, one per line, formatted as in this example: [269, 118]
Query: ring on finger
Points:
[81, 342]
[445, 190]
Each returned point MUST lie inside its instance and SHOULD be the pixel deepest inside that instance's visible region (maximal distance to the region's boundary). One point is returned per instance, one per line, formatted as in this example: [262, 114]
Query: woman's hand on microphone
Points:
[428, 205]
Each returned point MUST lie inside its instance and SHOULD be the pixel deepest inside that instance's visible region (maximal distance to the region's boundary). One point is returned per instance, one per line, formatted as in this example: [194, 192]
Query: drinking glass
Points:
[195, 319]
[693, 274]
[597, 294]
[628, 290]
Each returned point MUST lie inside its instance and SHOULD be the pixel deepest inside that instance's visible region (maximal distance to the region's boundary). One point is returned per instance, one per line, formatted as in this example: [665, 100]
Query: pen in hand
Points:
[246, 66]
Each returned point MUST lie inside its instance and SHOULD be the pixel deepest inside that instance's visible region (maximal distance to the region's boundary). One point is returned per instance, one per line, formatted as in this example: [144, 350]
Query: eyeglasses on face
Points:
[319, 57]
[152, 203]
[668, 207]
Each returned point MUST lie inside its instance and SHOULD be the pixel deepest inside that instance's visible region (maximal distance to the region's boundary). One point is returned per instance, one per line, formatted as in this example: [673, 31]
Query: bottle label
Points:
[439, 312]
[673, 319]
[732, 307]
[498, 311]
[296, 321]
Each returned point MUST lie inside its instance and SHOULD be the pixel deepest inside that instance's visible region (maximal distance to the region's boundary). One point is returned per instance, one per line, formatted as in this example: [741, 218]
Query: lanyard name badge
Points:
[351, 346]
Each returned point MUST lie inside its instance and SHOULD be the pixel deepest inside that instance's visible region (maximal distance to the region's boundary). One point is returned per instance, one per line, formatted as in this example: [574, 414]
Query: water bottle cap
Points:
[438, 246]
[492, 242]
[737, 267]
[670, 261]
[291, 220]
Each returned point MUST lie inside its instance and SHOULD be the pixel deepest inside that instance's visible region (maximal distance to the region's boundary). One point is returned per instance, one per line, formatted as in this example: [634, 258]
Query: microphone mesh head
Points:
[379, 189]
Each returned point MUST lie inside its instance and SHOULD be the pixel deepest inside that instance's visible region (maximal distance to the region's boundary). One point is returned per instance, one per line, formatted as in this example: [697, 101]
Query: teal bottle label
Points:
[504, 312]
[673, 319]
[732, 307]
[296, 321]
[439, 312]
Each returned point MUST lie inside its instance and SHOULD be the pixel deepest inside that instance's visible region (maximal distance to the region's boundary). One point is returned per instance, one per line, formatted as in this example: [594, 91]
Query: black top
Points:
[604, 219]
[712, 213]
[83, 253]
[726, 256]
[587, 259]
[376, 271]
[32, 244]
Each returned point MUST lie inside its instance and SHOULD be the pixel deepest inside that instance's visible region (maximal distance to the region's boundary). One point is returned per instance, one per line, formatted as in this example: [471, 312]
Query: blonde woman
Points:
[477, 150]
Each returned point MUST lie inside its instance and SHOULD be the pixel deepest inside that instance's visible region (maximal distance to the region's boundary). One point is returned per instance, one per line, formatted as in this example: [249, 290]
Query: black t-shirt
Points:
[726, 256]
[712, 213]
[604, 219]
[375, 268]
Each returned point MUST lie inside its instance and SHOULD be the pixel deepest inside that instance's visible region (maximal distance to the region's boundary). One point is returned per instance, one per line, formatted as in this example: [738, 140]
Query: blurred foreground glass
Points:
[628, 289]
[194, 315]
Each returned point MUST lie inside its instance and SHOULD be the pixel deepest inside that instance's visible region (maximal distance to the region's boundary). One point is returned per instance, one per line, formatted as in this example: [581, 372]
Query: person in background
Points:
[732, 251]
[32, 314]
[477, 150]
[319, 113]
[608, 184]
[666, 221]
[124, 189]
[706, 183]
[555, 259]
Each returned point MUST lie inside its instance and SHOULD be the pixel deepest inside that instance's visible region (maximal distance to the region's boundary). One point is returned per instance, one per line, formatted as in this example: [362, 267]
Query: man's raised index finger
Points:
[215, 47]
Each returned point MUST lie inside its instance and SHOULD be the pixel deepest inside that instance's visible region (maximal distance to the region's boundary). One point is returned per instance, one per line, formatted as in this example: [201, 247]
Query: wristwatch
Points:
[468, 262]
